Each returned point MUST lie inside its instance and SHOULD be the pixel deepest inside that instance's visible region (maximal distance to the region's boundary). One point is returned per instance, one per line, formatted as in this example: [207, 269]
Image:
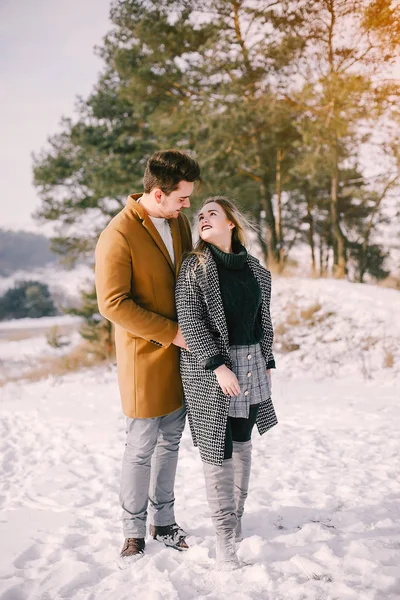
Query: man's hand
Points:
[227, 381]
[179, 340]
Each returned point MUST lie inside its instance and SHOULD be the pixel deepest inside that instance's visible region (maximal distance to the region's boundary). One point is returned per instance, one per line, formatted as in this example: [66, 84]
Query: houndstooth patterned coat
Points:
[203, 324]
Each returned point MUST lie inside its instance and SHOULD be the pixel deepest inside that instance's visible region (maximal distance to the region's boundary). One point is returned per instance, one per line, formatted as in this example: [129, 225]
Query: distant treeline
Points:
[23, 250]
[27, 299]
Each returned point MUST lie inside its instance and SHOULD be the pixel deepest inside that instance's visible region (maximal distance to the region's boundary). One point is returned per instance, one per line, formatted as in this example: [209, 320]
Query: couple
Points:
[203, 323]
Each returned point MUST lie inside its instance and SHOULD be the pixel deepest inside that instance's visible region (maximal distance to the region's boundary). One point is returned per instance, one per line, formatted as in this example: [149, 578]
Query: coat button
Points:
[248, 356]
[246, 393]
[248, 374]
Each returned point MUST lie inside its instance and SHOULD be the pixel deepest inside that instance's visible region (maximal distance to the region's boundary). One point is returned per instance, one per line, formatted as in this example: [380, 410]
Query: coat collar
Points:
[229, 260]
[141, 214]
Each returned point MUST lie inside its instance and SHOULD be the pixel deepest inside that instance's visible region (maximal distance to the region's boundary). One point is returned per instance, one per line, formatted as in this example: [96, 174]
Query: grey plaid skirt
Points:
[249, 366]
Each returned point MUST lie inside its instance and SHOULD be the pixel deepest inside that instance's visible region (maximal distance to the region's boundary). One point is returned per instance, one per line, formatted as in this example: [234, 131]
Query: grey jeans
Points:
[148, 471]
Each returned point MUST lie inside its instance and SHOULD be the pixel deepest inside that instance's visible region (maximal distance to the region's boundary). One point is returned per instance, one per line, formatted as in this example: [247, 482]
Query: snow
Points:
[346, 327]
[22, 351]
[321, 521]
[23, 342]
[19, 357]
[322, 517]
[46, 322]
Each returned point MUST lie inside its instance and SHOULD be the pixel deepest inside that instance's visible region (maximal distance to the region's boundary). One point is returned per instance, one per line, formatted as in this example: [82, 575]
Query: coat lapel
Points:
[254, 264]
[212, 292]
[152, 229]
[177, 241]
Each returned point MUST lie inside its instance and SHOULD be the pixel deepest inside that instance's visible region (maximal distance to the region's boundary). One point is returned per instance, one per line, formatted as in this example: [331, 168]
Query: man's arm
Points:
[113, 287]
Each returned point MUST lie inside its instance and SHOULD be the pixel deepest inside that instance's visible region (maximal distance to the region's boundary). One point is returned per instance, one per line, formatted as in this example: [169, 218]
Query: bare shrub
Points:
[293, 317]
[288, 269]
[368, 343]
[55, 338]
[280, 329]
[80, 357]
[392, 281]
[388, 361]
[287, 346]
[307, 314]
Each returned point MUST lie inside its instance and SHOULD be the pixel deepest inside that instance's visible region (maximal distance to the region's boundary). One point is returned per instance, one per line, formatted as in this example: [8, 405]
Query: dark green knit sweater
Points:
[241, 299]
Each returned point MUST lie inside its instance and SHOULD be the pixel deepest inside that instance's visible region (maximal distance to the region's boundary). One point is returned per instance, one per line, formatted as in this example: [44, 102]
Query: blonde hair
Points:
[232, 212]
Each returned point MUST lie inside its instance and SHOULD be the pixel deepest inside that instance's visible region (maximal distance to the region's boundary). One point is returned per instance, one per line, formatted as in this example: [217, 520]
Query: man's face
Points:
[171, 205]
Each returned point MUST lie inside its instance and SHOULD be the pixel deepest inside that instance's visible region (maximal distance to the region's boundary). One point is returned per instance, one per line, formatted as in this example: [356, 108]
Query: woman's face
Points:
[214, 225]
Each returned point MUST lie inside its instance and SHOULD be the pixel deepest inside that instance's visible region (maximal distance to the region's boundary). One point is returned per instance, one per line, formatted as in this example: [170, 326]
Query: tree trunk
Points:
[339, 241]
[260, 232]
[321, 256]
[279, 233]
[110, 343]
[270, 245]
[270, 234]
[363, 261]
[311, 237]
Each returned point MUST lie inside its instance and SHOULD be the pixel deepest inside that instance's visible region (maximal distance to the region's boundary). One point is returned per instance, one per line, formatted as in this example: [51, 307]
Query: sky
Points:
[46, 60]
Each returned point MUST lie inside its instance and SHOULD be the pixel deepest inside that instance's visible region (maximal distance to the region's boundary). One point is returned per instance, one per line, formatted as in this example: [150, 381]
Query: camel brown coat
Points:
[135, 283]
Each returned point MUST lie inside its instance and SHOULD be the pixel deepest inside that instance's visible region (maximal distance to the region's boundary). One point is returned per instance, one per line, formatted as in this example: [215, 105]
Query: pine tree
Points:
[96, 330]
[269, 96]
[27, 299]
[84, 176]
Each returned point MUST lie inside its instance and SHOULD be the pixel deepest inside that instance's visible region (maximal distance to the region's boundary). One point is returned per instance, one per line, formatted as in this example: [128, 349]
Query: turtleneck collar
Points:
[231, 260]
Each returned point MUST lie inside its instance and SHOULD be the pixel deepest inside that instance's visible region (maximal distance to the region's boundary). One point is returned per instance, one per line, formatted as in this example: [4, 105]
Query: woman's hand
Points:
[179, 340]
[227, 381]
[269, 379]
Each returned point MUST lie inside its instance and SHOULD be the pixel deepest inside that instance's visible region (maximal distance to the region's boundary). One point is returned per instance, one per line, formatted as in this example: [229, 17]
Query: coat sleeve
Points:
[266, 319]
[113, 287]
[191, 311]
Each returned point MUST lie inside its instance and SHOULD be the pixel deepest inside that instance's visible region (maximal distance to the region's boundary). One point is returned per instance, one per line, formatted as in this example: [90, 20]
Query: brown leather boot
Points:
[172, 536]
[132, 550]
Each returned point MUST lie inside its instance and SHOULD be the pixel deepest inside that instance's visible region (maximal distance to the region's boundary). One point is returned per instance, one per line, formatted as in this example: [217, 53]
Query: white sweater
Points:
[163, 228]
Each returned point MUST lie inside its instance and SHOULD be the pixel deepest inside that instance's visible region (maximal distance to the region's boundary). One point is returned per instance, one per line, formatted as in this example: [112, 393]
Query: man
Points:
[138, 257]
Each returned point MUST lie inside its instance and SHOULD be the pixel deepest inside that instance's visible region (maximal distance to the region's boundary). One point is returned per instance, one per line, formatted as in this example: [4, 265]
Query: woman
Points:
[222, 297]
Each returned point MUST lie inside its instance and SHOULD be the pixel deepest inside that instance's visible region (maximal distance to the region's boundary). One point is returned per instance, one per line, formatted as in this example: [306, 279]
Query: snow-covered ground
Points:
[330, 326]
[42, 322]
[23, 342]
[322, 520]
[321, 325]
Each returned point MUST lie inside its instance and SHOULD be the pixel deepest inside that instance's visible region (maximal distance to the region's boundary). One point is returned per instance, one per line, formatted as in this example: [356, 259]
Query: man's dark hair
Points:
[167, 168]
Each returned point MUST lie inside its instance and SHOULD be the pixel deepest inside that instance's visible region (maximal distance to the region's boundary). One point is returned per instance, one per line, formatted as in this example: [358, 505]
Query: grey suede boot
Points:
[241, 466]
[221, 500]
